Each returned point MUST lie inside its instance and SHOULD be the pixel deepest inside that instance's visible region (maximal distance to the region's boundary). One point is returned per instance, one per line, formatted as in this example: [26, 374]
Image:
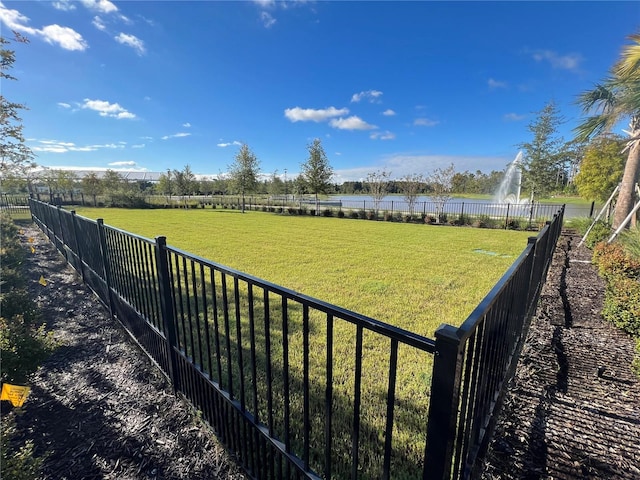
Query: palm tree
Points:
[616, 98]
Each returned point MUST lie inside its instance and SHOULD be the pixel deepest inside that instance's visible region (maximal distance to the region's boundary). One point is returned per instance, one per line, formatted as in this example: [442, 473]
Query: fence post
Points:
[443, 407]
[105, 264]
[64, 244]
[166, 306]
[75, 237]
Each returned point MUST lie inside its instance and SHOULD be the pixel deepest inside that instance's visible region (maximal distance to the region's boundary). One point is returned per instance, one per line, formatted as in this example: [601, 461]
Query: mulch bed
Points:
[99, 409]
[573, 409]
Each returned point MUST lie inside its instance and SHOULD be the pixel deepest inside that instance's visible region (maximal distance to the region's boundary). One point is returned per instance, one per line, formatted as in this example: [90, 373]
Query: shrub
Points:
[362, 214]
[312, 212]
[327, 212]
[429, 219]
[484, 221]
[292, 211]
[407, 218]
[613, 261]
[442, 218]
[354, 214]
[635, 365]
[600, 232]
[340, 214]
[513, 224]
[371, 215]
[17, 463]
[622, 304]
[302, 210]
[630, 240]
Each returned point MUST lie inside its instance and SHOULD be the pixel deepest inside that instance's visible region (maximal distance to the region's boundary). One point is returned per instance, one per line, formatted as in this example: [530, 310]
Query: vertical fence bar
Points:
[443, 408]
[166, 308]
[78, 244]
[106, 271]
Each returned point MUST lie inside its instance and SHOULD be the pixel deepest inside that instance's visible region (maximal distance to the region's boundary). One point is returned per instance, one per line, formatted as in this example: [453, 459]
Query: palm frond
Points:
[594, 126]
[628, 67]
[601, 98]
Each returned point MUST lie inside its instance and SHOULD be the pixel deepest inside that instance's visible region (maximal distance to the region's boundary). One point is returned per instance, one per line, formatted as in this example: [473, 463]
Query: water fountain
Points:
[509, 190]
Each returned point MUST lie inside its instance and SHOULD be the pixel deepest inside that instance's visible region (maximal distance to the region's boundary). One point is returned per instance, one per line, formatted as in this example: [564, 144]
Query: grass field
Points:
[409, 275]
[412, 276]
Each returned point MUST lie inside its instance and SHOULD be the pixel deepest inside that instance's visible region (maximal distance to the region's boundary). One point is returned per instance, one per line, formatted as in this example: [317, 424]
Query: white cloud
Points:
[425, 122]
[389, 113]
[106, 109]
[267, 19]
[176, 135]
[564, 62]
[139, 145]
[514, 117]
[64, 105]
[387, 135]
[496, 83]
[64, 5]
[103, 6]
[98, 23]
[351, 123]
[298, 114]
[186, 125]
[371, 95]
[65, 37]
[229, 144]
[125, 163]
[265, 3]
[131, 41]
[56, 146]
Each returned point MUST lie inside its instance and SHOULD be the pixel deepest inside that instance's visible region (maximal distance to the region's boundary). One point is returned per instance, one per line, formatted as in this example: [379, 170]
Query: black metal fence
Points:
[14, 204]
[299, 388]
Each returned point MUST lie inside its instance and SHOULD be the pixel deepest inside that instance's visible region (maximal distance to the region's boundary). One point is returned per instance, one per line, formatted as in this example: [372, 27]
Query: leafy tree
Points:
[317, 171]
[615, 99]
[15, 157]
[184, 181]
[377, 184]
[244, 171]
[601, 168]
[543, 155]
[276, 185]
[441, 181]
[91, 185]
[411, 187]
[165, 185]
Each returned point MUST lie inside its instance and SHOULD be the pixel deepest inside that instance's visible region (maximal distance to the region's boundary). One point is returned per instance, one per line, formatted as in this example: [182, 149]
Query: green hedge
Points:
[619, 264]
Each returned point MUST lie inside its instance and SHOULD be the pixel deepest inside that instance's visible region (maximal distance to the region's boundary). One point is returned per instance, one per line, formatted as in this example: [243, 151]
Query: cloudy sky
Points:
[402, 86]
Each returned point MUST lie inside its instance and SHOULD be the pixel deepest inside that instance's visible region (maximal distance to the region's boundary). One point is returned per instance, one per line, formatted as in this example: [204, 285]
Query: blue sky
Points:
[402, 86]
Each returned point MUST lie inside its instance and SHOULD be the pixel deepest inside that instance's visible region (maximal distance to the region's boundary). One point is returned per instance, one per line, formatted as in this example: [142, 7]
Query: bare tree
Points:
[441, 181]
[411, 185]
[378, 183]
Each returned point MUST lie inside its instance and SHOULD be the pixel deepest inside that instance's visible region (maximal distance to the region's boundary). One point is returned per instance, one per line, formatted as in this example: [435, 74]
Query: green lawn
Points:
[412, 276]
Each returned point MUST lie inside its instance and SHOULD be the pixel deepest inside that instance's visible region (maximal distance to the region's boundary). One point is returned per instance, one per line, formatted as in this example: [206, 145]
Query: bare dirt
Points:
[99, 409]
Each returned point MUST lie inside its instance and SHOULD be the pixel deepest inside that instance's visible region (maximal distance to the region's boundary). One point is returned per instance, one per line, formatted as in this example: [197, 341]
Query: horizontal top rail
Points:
[395, 333]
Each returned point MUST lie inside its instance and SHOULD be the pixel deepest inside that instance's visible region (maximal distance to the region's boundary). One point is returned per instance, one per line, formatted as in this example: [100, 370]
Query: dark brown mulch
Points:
[99, 409]
[573, 409]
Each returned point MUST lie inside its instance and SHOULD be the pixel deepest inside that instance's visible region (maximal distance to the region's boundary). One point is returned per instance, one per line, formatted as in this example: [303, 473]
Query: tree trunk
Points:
[626, 196]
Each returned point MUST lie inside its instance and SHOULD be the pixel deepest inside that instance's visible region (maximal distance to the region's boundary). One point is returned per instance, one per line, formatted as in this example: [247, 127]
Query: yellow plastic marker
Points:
[16, 394]
[33, 249]
[30, 240]
[42, 281]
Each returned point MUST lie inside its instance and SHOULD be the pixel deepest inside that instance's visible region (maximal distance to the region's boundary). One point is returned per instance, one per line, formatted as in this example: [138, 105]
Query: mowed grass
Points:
[411, 276]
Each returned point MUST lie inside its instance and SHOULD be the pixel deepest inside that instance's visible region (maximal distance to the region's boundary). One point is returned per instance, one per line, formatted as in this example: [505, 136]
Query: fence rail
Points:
[263, 365]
